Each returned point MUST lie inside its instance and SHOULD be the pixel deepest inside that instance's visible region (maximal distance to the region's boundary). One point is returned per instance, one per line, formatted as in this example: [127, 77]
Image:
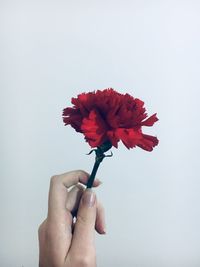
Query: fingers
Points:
[83, 237]
[58, 192]
[100, 224]
[71, 178]
[57, 230]
[73, 200]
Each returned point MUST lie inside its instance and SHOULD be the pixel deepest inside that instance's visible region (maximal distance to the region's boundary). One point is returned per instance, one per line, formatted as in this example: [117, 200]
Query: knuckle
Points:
[49, 231]
[40, 230]
[54, 179]
[81, 172]
[83, 260]
[81, 220]
[41, 227]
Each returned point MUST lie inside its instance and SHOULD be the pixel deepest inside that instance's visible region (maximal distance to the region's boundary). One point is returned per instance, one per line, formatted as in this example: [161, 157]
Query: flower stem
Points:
[99, 158]
[93, 174]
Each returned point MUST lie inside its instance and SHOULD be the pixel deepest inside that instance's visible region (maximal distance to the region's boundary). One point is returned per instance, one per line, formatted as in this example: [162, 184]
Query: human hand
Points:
[63, 242]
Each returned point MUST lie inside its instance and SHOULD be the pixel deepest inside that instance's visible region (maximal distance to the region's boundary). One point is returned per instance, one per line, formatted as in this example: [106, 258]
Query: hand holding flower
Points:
[62, 241]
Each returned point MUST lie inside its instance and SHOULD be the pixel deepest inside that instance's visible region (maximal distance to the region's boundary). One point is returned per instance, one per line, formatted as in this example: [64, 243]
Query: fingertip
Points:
[84, 177]
[100, 224]
[97, 182]
[101, 231]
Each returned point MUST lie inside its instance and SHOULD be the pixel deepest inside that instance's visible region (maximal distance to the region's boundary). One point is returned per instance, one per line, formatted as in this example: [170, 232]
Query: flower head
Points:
[110, 116]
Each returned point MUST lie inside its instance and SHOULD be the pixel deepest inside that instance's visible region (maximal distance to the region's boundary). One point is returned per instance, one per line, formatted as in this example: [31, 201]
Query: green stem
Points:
[93, 174]
[99, 157]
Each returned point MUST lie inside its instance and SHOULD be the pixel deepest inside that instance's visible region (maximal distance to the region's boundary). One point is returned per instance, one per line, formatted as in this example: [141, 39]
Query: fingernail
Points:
[89, 198]
[104, 231]
[99, 181]
[104, 227]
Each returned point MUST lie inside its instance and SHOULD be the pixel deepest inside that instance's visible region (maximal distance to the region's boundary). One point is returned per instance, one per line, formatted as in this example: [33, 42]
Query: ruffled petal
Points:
[104, 115]
[94, 129]
[113, 138]
[150, 121]
[148, 142]
[73, 117]
[129, 137]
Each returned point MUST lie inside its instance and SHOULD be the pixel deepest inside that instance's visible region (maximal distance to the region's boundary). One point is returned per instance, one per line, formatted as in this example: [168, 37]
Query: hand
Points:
[64, 242]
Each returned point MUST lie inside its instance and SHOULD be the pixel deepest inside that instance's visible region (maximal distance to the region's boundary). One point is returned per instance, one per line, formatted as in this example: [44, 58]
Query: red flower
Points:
[110, 116]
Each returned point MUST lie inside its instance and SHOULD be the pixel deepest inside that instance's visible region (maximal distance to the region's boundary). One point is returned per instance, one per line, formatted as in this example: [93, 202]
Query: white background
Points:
[53, 50]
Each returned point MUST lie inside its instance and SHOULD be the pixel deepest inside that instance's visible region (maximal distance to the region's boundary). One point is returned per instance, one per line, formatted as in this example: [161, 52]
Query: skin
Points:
[66, 237]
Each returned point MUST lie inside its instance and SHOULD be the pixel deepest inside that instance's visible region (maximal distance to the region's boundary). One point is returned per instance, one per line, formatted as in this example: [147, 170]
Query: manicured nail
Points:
[89, 198]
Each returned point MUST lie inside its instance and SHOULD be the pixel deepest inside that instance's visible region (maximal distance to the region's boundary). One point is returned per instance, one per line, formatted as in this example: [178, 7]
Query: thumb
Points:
[84, 230]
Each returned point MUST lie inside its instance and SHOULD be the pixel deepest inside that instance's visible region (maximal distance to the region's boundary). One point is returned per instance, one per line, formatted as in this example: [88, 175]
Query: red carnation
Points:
[108, 116]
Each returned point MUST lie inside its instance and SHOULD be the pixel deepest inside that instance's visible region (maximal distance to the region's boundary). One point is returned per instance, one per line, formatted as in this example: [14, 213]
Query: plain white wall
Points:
[53, 50]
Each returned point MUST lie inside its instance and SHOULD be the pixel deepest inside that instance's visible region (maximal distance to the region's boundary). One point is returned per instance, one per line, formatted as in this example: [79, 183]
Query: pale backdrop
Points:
[53, 50]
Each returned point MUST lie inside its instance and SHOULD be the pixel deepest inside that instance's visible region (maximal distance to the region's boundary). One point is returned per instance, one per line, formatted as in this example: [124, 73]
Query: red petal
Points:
[113, 138]
[148, 142]
[129, 137]
[132, 138]
[150, 121]
[73, 117]
[109, 115]
[94, 129]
